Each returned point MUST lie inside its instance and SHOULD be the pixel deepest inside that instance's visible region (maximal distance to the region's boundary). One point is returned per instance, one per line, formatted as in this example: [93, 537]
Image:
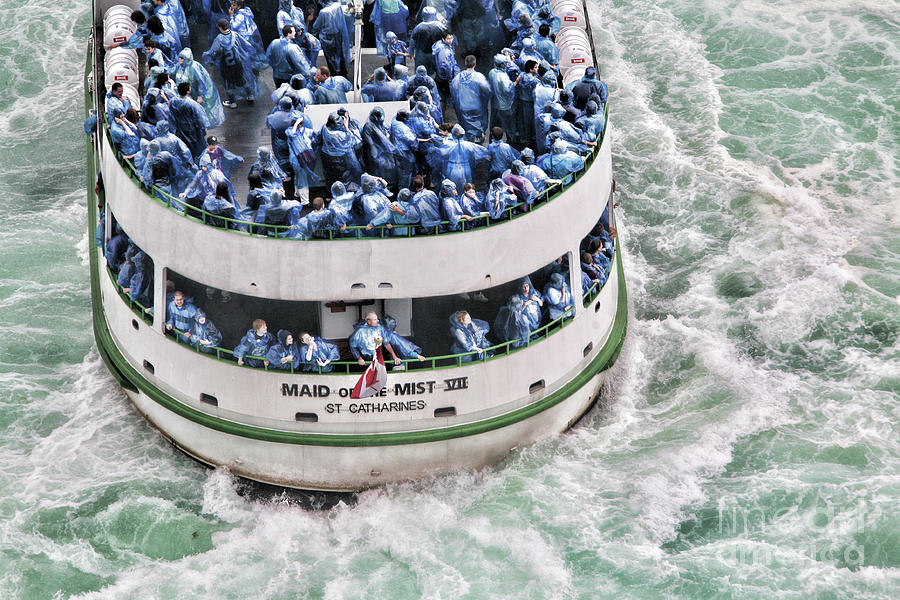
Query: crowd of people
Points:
[413, 174]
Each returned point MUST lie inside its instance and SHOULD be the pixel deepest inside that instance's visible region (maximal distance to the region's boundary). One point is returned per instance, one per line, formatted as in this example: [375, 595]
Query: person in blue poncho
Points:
[221, 204]
[546, 47]
[423, 37]
[220, 158]
[301, 144]
[400, 213]
[172, 16]
[180, 314]
[378, 149]
[545, 92]
[499, 197]
[116, 101]
[370, 332]
[337, 142]
[232, 56]
[205, 336]
[471, 97]
[588, 85]
[502, 154]
[124, 135]
[269, 170]
[451, 208]
[296, 90]
[115, 250]
[309, 44]
[511, 324]
[288, 14]
[560, 163]
[317, 354]
[389, 16]
[405, 145]
[278, 123]
[379, 88]
[472, 203]
[140, 287]
[174, 145]
[396, 51]
[159, 170]
[457, 159]
[126, 270]
[330, 89]
[202, 87]
[283, 356]
[243, 24]
[521, 185]
[445, 64]
[469, 336]
[592, 121]
[426, 204]
[256, 342]
[422, 79]
[558, 297]
[164, 38]
[341, 208]
[189, 120]
[331, 28]
[285, 57]
[524, 110]
[278, 212]
[503, 95]
[532, 302]
[155, 107]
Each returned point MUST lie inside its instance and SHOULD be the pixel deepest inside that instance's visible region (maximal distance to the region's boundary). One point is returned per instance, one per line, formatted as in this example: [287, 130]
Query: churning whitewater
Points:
[747, 447]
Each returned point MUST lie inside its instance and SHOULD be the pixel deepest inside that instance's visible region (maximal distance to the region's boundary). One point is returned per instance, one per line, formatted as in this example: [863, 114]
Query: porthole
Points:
[445, 411]
[149, 366]
[587, 349]
[386, 284]
[304, 417]
[536, 386]
[597, 307]
[358, 286]
[134, 324]
[207, 399]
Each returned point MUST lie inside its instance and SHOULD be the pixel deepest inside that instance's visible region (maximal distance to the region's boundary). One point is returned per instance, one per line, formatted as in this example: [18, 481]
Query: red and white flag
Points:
[373, 379]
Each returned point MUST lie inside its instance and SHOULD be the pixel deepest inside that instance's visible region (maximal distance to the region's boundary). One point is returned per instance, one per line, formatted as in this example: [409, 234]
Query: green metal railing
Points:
[136, 307]
[358, 232]
[445, 361]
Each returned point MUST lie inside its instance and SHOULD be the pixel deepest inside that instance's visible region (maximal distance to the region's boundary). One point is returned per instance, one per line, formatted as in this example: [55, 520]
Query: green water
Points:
[747, 447]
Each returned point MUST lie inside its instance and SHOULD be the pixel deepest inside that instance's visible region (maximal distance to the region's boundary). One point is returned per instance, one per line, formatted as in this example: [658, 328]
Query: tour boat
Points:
[300, 429]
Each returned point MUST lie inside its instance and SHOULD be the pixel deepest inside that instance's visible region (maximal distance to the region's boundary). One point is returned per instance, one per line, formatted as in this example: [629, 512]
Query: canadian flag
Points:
[373, 379]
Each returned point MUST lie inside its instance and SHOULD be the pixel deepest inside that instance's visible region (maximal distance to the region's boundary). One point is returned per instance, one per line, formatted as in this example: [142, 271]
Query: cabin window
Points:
[587, 349]
[445, 411]
[536, 386]
[207, 399]
[149, 366]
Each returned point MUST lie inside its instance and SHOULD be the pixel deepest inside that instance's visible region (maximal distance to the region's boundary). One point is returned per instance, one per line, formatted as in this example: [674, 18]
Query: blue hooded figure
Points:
[126, 270]
[372, 202]
[586, 87]
[288, 14]
[423, 125]
[286, 59]
[202, 86]
[498, 199]
[423, 37]
[469, 337]
[268, 169]
[421, 94]
[405, 145]
[545, 92]
[427, 207]
[532, 302]
[189, 120]
[389, 16]
[331, 28]
[255, 343]
[180, 153]
[422, 79]
[502, 155]
[204, 334]
[205, 183]
[458, 158]
[378, 149]
[233, 56]
[244, 25]
[124, 136]
[279, 211]
[511, 324]
[164, 38]
[278, 122]
[283, 356]
[338, 142]
[560, 163]
[154, 108]
[115, 250]
[140, 288]
[521, 185]
[159, 171]
[471, 97]
[341, 208]
[316, 354]
[451, 209]
[558, 297]
[302, 148]
[592, 121]
[172, 16]
[503, 95]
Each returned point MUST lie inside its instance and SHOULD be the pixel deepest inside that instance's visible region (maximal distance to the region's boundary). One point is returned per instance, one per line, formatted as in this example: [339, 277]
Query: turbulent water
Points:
[748, 445]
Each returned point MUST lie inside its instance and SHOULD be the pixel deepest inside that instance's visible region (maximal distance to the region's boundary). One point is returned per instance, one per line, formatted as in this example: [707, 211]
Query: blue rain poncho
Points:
[427, 207]
[532, 302]
[472, 203]
[372, 202]
[333, 90]
[172, 16]
[341, 207]
[283, 355]
[204, 183]
[560, 163]
[545, 92]
[458, 158]
[301, 144]
[296, 90]
[288, 14]
[115, 250]
[278, 122]
[421, 94]
[159, 170]
[498, 199]
[422, 79]
[127, 268]
[155, 107]
[141, 284]
[331, 28]
[471, 97]
[546, 49]
[168, 44]
[544, 15]
[445, 61]
[380, 89]
[318, 354]
[318, 222]
[181, 317]
[201, 85]
[338, 141]
[525, 108]
[405, 146]
[558, 297]
[279, 211]
[243, 24]
[502, 157]
[389, 16]
[477, 25]
[114, 103]
[232, 55]
[401, 215]
[162, 61]
[401, 81]
[362, 340]
[269, 171]
[503, 95]
[587, 86]
[511, 324]
[215, 11]
[286, 59]
[173, 144]
[529, 53]
[310, 46]
[567, 131]
[124, 136]
[469, 337]
[395, 49]
[378, 149]
[205, 336]
[542, 125]
[423, 37]
[221, 159]
[451, 209]
[221, 207]
[189, 120]
[423, 125]
[253, 344]
[592, 121]
[521, 185]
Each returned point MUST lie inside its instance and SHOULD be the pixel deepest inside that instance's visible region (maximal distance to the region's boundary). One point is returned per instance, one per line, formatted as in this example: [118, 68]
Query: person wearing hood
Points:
[204, 184]
[380, 88]
[503, 95]
[588, 85]
[155, 107]
[172, 16]
[152, 52]
[285, 57]
[284, 355]
[301, 144]
[316, 354]
[545, 92]
[472, 203]
[422, 79]
[296, 90]
[560, 163]
[205, 336]
[278, 123]
[309, 45]
[268, 169]
[499, 197]
[444, 51]
[421, 94]
[221, 204]
[288, 14]
[389, 17]
[338, 141]
[401, 79]
[451, 209]
[330, 89]
[159, 171]
[140, 286]
[243, 24]
[405, 145]
[458, 158]
[471, 97]
[189, 120]
[469, 337]
[396, 51]
[532, 302]
[331, 28]
[378, 150]
[124, 135]
[370, 332]
[279, 212]
[521, 185]
[511, 324]
[232, 55]
[202, 87]
[558, 297]
[372, 200]
[426, 205]
[341, 208]
[399, 215]
[126, 270]
[502, 154]
[529, 53]
[255, 343]
[423, 37]
[592, 121]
